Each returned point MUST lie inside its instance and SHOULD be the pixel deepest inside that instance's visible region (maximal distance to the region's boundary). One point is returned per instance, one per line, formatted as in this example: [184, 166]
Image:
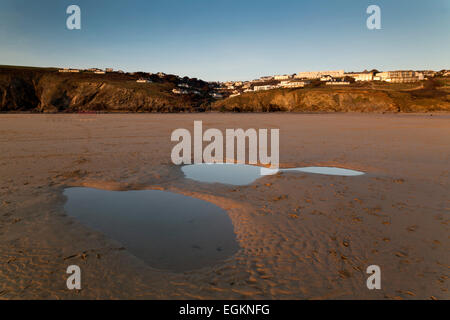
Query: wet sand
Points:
[301, 235]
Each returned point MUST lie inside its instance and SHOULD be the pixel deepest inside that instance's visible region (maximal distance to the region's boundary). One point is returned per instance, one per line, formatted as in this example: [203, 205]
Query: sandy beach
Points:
[300, 235]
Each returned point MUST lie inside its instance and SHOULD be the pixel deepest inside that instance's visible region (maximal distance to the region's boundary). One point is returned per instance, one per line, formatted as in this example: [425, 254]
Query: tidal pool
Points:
[227, 173]
[333, 171]
[243, 174]
[166, 230]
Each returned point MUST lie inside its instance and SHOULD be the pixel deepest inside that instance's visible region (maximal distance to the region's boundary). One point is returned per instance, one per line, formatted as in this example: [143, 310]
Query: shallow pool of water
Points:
[227, 173]
[333, 171]
[243, 174]
[166, 230]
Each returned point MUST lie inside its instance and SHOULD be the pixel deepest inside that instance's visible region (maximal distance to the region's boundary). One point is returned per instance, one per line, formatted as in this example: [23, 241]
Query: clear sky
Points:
[227, 40]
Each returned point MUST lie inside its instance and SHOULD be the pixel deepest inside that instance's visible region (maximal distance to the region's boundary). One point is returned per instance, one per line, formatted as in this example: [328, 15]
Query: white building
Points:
[180, 91]
[282, 77]
[318, 74]
[143, 81]
[264, 88]
[363, 76]
[337, 83]
[401, 76]
[69, 70]
[94, 70]
[428, 73]
[293, 84]
[326, 78]
[216, 95]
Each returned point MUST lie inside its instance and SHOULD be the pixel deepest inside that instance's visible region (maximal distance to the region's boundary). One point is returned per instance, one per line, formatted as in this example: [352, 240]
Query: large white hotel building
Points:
[318, 74]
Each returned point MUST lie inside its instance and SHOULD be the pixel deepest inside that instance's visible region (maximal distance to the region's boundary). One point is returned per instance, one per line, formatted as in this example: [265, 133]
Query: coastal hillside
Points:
[26, 89]
[432, 95]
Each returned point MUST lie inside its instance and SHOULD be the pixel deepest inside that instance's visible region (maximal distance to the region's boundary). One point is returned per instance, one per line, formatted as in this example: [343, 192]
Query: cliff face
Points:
[336, 100]
[312, 101]
[69, 95]
[18, 93]
[46, 90]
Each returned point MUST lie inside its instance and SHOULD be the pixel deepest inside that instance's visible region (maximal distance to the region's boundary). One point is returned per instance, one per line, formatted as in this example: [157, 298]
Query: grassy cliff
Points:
[47, 90]
[431, 96]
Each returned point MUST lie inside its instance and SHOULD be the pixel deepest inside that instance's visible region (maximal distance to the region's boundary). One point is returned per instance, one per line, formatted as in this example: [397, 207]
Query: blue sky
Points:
[226, 40]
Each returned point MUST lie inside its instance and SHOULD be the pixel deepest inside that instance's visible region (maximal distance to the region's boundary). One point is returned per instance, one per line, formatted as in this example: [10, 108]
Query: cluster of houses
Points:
[298, 80]
[401, 76]
[144, 80]
[184, 88]
[262, 84]
[282, 84]
[329, 77]
[91, 70]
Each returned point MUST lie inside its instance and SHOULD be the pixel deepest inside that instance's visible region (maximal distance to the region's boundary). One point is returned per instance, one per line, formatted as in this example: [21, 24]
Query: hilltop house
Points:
[293, 84]
[282, 77]
[180, 91]
[216, 95]
[401, 76]
[69, 70]
[337, 83]
[326, 78]
[264, 88]
[318, 74]
[364, 76]
[141, 80]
